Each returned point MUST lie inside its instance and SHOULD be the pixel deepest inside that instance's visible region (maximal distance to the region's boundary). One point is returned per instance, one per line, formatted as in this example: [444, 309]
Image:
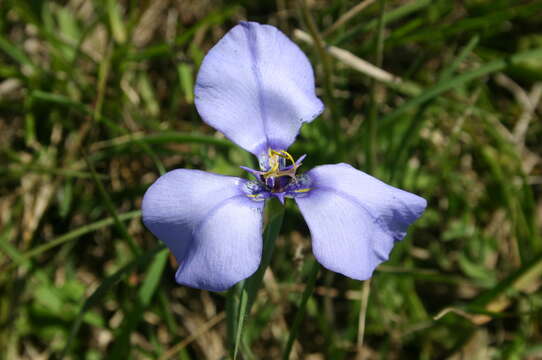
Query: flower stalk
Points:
[241, 302]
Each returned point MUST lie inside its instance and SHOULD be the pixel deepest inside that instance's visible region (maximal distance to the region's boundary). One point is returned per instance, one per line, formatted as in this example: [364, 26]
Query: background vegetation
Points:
[96, 100]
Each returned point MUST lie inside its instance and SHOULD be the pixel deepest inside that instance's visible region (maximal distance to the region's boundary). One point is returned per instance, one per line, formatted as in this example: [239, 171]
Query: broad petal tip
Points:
[257, 87]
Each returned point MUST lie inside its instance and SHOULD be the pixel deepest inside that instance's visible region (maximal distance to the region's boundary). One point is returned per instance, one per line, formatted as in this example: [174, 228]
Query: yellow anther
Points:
[256, 197]
[274, 171]
[302, 190]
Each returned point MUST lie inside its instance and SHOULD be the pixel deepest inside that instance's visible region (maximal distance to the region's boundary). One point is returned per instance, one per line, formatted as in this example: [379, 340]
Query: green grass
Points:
[96, 101]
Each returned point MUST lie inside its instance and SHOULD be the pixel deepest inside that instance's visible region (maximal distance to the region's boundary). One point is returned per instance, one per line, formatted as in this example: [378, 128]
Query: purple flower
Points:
[257, 88]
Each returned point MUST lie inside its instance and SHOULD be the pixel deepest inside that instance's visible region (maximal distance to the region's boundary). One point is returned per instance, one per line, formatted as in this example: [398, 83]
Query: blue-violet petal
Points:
[210, 225]
[354, 218]
[257, 87]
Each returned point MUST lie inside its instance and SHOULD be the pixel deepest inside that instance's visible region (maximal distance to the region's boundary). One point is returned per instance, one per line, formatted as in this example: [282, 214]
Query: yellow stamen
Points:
[302, 190]
[255, 197]
[285, 155]
[274, 163]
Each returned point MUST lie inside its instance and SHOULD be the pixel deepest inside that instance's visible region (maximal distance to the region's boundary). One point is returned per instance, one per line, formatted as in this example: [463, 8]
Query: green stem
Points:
[311, 282]
[236, 314]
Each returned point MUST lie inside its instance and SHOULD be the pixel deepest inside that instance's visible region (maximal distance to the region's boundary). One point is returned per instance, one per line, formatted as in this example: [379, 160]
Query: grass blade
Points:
[439, 88]
[77, 233]
[111, 207]
[100, 292]
[153, 277]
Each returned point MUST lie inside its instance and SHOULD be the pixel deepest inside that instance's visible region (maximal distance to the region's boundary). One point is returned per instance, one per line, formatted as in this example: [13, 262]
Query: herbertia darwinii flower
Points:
[257, 88]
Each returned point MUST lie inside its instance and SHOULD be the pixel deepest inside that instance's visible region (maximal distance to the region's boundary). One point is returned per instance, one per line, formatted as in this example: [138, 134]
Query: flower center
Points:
[277, 177]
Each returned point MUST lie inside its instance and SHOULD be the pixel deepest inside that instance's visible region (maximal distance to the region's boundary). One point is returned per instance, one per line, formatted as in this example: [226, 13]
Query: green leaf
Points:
[186, 79]
[115, 21]
[14, 52]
